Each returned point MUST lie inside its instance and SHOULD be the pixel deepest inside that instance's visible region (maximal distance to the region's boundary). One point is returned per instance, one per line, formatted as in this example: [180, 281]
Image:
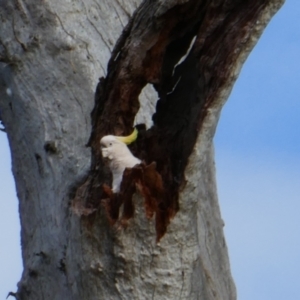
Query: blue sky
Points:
[257, 148]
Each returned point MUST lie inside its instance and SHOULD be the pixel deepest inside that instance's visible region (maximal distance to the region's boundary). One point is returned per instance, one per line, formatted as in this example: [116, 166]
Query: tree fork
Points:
[150, 51]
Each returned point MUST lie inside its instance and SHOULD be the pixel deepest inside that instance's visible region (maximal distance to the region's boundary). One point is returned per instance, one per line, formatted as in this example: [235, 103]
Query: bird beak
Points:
[128, 139]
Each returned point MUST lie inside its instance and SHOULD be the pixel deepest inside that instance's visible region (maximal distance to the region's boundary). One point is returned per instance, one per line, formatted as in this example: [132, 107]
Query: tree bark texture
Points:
[168, 64]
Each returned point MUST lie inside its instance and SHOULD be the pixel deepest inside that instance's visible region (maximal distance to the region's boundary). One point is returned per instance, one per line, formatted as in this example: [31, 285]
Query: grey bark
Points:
[52, 55]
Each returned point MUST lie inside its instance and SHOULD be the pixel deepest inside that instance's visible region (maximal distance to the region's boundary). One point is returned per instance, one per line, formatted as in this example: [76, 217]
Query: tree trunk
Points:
[76, 244]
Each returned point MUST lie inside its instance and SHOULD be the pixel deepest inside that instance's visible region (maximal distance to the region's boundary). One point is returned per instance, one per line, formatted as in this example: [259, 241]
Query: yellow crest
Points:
[128, 139]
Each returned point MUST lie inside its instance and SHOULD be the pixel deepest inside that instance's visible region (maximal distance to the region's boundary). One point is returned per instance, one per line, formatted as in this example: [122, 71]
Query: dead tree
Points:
[168, 64]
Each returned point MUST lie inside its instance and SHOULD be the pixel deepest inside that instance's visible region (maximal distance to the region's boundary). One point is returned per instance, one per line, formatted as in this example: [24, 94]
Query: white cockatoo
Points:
[119, 156]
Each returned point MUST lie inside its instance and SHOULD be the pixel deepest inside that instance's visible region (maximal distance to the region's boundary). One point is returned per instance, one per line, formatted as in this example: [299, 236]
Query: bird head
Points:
[112, 145]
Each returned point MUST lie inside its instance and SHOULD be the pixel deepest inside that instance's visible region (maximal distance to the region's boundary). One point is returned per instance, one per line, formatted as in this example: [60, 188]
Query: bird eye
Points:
[110, 144]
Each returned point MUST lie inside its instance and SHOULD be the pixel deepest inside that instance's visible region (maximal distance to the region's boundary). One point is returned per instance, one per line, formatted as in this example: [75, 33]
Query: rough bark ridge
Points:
[51, 54]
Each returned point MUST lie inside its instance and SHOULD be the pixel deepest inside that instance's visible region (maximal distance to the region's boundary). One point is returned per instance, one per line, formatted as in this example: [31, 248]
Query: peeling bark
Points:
[51, 54]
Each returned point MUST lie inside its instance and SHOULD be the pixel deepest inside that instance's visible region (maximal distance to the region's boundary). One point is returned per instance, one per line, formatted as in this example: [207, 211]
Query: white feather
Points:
[119, 157]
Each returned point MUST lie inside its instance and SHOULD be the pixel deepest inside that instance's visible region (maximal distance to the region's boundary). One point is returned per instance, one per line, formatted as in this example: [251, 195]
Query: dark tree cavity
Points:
[187, 53]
